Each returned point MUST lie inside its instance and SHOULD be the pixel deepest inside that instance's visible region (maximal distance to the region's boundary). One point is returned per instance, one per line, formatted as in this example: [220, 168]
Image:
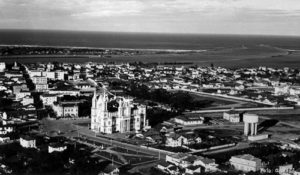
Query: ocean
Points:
[220, 48]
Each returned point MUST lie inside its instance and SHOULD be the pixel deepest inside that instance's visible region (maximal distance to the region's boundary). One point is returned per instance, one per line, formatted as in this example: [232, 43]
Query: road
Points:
[71, 130]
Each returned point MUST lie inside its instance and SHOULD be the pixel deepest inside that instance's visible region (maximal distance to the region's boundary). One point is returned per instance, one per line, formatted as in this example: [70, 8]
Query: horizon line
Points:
[149, 33]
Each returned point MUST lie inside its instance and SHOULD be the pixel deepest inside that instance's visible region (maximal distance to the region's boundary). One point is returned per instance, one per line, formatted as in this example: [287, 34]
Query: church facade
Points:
[111, 114]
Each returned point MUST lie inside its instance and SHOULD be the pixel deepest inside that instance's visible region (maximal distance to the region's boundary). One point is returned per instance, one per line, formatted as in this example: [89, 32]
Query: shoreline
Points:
[105, 48]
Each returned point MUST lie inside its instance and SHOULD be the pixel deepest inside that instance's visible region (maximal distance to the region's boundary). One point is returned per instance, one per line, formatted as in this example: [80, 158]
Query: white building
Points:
[116, 114]
[285, 169]
[72, 92]
[22, 94]
[2, 67]
[56, 147]
[192, 120]
[27, 100]
[41, 87]
[282, 90]
[39, 80]
[27, 142]
[49, 75]
[246, 163]
[232, 116]
[48, 99]
[33, 73]
[176, 140]
[60, 75]
[65, 110]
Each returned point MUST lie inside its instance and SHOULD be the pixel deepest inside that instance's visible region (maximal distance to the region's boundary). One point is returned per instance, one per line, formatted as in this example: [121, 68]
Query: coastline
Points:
[104, 48]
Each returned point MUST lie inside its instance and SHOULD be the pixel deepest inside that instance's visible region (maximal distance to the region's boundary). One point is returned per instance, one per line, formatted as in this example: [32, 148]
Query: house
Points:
[246, 163]
[27, 142]
[27, 100]
[176, 158]
[232, 116]
[48, 99]
[29, 107]
[65, 109]
[208, 164]
[39, 80]
[56, 147]
[22, 94]
[60, 75]
[4, 138]
[111, 169]
[41, 87]
[189, 120]
[2, 66]
[174, 170]
[193, 169]
[285, 169]
[10, 74]
[17, 88]
[297, 172]
[176, 140]
[282, 90]
[163, 166]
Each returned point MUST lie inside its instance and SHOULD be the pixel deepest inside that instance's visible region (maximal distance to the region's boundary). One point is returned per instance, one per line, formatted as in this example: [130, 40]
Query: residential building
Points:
[246, 163]
[285, 169]
[176, 140]
[232, 116]
[22, 94]
[56, 147]
[189, 120]
[65, 109]
[27, 142]
[41, 87]
[39, 80]
[27, 100]
[111, 169]
[2, 66]
[48, 99]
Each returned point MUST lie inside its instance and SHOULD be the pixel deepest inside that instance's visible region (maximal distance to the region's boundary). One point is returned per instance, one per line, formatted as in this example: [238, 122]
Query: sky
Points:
[271, 17]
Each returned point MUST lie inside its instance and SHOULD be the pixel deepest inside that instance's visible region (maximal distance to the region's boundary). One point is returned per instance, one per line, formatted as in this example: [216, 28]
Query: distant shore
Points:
[224, 57]
[104, 48]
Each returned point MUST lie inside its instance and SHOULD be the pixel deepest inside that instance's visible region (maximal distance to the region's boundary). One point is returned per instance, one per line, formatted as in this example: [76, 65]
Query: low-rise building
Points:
[189, 120]
[39, 80]
[246, 163]
[27, 142]
[111, 169]
[176, 159]
[27, 100]
[66, 109]
[2, 66]
[22, 94]
[48, 99]
[56, 147]
[41, 87]
[232, 116]
[285, 169]
[176, 140]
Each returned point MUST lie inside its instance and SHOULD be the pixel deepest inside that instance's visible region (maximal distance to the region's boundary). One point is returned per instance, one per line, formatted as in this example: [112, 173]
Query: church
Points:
[111, 114]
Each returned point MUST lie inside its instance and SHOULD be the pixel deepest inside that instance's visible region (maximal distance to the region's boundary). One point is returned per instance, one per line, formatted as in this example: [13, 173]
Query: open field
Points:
[283, 131]
[224, 103]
